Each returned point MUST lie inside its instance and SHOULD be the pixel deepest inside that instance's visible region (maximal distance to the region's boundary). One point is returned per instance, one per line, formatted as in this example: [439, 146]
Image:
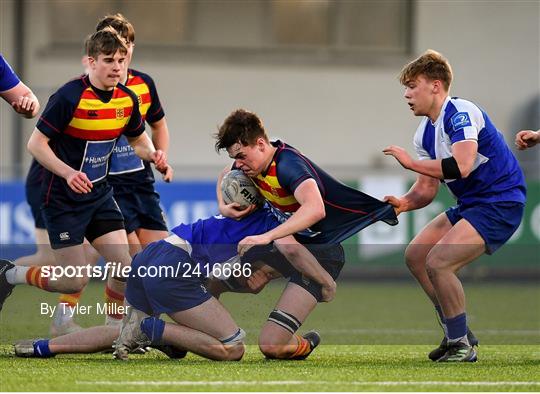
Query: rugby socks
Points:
[63, 312]
[29, 275]
[115, 302]
[41, 349]
[302, 348]
[153, 328]
[17, 275]
[442, 320]
[457, 329]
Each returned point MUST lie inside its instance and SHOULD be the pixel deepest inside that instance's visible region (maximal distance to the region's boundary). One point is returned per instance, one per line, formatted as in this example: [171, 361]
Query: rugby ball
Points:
[238, 187]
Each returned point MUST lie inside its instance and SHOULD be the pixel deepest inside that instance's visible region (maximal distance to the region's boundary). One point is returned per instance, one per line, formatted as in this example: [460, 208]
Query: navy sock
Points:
[41, 349]
[153, 327]
[457, 326]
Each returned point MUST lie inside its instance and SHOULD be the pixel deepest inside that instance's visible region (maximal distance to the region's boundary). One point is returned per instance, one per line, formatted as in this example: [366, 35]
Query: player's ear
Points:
[437, 86]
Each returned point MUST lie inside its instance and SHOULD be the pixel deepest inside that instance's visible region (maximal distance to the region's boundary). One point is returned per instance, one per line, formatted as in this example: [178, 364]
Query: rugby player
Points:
[320, 211]
[73, 140]
[194, 249]
[132, 180]
[458, 145]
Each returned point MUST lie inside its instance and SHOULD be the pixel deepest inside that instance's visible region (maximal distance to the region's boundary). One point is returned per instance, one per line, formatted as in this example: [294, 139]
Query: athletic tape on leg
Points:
[285, 320]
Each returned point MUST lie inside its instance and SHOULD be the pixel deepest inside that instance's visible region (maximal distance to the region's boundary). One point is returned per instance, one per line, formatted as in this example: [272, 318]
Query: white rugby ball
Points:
[238, 187]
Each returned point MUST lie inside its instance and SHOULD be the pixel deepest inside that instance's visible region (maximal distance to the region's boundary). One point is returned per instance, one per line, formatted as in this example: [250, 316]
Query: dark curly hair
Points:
[241, 126]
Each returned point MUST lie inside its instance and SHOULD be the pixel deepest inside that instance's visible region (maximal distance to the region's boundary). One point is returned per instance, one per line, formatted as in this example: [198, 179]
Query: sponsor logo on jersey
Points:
[460, 120]
[92, 113]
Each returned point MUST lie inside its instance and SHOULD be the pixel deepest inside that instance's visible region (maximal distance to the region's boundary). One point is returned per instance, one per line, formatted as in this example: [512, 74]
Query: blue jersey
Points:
[348, 210]
[8, 78]
[496, 175]
[215, 240]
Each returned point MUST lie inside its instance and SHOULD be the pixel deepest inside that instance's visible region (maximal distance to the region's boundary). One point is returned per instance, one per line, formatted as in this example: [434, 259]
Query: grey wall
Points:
[340, 116]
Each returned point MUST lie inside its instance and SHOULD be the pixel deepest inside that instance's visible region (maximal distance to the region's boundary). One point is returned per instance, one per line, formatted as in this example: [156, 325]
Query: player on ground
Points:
[527, 139]
[457, 144]
[316, 208]
[73, 140]
[195, 249]
[15, 92]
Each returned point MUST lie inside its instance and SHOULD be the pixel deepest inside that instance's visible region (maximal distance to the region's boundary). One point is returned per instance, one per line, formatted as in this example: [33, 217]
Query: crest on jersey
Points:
[139, 99]
[119, 113]
[460, 120]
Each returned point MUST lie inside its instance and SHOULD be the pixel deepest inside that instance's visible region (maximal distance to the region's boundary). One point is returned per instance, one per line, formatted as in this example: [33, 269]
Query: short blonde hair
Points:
[430, 64]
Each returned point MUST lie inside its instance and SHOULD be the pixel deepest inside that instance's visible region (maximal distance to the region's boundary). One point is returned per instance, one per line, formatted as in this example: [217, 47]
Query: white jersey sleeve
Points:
[421, 152]
[465, 123]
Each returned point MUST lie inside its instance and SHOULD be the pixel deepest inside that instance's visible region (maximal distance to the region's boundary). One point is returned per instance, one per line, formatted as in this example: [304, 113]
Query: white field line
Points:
[303, 382]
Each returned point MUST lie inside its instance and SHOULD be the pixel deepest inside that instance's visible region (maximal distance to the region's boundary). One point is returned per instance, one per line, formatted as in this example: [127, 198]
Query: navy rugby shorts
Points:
[141, 209]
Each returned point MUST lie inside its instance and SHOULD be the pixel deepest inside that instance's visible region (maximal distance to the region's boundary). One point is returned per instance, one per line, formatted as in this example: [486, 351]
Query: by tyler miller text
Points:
[79, 309]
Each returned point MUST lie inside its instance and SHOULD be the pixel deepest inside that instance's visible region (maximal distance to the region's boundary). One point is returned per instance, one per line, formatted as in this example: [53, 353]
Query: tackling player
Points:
[458, 145]
[320, 211]
[191, 252]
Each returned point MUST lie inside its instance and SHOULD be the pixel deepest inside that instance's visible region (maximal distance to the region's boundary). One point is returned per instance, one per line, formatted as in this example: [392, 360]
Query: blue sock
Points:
[457, 327]
[153, 327]
[41, 349]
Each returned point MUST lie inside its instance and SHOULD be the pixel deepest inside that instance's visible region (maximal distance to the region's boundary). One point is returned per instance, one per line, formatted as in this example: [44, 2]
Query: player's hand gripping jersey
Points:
[496, 175]
[83, 123]
[347, 210]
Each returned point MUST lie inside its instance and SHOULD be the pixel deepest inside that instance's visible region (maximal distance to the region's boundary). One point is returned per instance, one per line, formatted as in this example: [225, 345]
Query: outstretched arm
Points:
[310, 212]
[422, 193]
[463, 152]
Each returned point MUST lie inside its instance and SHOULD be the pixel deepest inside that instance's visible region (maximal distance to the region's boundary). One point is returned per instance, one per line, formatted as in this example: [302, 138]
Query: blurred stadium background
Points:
[320, 73]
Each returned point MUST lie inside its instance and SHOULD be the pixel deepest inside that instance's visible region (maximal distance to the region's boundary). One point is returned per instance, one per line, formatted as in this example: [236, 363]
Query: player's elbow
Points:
[318, 213]
[465, 169]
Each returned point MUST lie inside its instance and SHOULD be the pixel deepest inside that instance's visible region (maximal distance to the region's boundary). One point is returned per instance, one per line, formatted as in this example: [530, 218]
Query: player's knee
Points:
[434, 265]
[414, 258]
[235, 353]
[270, 350]
[270, 346]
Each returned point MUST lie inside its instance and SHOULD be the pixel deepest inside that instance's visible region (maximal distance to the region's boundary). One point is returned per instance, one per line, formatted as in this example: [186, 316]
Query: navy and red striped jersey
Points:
[348, 210]
[83, 123]
[127, 168]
